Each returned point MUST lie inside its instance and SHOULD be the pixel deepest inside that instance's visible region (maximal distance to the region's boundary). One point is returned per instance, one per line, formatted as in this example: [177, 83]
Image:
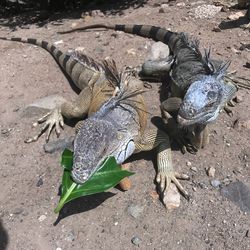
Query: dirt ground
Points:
[30, 178]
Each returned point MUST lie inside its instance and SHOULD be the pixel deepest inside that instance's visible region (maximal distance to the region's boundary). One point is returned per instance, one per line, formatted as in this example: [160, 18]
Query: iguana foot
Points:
[164, 179]
[53, 119]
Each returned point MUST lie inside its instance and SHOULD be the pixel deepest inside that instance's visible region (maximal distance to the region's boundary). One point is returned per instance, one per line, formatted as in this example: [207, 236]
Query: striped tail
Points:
[153, 32]
[68, 64]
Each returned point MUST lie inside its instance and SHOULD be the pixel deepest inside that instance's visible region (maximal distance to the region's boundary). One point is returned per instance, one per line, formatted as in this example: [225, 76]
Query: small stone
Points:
[18, 210]
[188, 163]
[154, 195]
[211, 172]
[247, 65]
[243, 124]
[80, 49]
[42, 218]
[194, 169]
[181, 4]
[99, 50]
[239, 97]
[25, 56]
[216, 29]
[59, 145]
[135, 210]
[136, 240]
[131, 52]
[58, 42]
[206, 11]
[164, 8]
[70, 237]
[172, 197]
[97, 34]
[248, 234]
[116, 223]
[58, 248]
[39, 182]
[215, 183]
[158, 51]
[236, 15]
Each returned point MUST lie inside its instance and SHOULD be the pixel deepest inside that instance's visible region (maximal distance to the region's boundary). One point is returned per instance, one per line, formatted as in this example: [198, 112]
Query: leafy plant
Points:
[107, 176]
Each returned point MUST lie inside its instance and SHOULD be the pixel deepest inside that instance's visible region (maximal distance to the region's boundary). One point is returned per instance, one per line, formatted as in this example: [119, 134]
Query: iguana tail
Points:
[75, 65]
[153, 32]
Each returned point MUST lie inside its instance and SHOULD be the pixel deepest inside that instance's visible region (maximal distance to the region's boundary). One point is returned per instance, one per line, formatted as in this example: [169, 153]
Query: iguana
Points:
[198, 89]
[117, 129]
[88, 76]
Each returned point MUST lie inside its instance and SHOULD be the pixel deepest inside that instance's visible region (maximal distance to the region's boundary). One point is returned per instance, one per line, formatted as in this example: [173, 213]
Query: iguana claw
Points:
[52, 119]
[164, 179]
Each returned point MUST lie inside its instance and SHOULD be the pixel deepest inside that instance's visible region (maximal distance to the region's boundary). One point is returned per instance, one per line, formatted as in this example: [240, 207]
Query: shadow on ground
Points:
[41, 18]
[82, 204]
[4, 238]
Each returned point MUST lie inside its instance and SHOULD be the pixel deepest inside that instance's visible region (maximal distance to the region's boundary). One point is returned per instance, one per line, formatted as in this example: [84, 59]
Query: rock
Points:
[135, 210]
[215, 183]
[99, 50]
[238, 193]
[17, 210]
[154, 195]
[236, 15]
[247, 65]
[181, 4]
[58, 42]
[242, 124]
[248, 234]
[172, 198]
[194, 169]
[216, 29]
[39, 182]
[239, 97]
[158, 50]
[59, 145]
[80, 49]
[70, 237]
[188, 163]
[136, 240]
[206, 11]
[131, 52]
[211, 171]
[164, 8]
[42, 218]
[43, 105]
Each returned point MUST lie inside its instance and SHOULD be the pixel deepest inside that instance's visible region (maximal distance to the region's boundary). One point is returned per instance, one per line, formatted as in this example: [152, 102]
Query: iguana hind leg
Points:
[159, 140]
[54, 119]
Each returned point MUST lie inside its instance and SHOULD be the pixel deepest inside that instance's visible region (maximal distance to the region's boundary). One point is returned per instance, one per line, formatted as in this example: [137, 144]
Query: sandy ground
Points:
[30, 178]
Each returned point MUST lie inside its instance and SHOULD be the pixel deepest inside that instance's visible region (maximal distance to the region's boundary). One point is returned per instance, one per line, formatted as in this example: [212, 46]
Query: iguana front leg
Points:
[159, 140]
[168, 107]
[54, 119]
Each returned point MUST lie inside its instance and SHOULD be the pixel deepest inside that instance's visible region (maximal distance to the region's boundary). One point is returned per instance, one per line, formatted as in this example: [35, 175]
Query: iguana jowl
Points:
[197, 80]
[88, 75]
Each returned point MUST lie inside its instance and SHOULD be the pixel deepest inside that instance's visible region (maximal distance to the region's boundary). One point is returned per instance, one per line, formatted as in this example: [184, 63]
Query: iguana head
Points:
[202, 101]
[206, 96]
[96, 140]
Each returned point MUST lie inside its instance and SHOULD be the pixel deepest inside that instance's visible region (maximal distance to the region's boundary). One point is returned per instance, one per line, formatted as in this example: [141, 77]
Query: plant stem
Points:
[65, 197]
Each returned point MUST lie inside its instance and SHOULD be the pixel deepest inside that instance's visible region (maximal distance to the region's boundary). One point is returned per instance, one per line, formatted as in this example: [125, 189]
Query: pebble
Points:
[136, 240]
[131, 52]
[248, 234]
[236, 15]
[194, 169]
[172, 197]
[17, 210]
[70, 237]
[216, 29]
[80, 49]
[158, 50]
[188, 163]
[39, 182]
[215, 183]
[58, 42]
[42, 218]
[164, 8]
[206, 11]
[135, 210]
[99, 50]
[58, 145]
[211, 172]
[181, 4]
[58, 248]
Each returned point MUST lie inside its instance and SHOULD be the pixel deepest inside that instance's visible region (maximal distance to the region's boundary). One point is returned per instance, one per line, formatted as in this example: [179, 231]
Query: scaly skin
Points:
[88, 75]
[118, 129]
[200, 104]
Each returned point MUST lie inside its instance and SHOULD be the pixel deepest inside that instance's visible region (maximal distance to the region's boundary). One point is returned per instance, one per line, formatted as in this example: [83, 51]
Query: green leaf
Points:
[67, 159]
[107, 176]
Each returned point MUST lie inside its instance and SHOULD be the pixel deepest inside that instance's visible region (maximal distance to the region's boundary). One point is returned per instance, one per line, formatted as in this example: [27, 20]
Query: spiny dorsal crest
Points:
[87, 61]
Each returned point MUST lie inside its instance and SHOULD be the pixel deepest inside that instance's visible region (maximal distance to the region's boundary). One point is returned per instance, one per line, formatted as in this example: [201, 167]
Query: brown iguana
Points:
[87, 74]
[117, 129]
[198, 89]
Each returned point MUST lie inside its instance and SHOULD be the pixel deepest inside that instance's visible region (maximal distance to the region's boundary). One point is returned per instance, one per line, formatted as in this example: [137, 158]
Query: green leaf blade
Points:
[108, 176]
